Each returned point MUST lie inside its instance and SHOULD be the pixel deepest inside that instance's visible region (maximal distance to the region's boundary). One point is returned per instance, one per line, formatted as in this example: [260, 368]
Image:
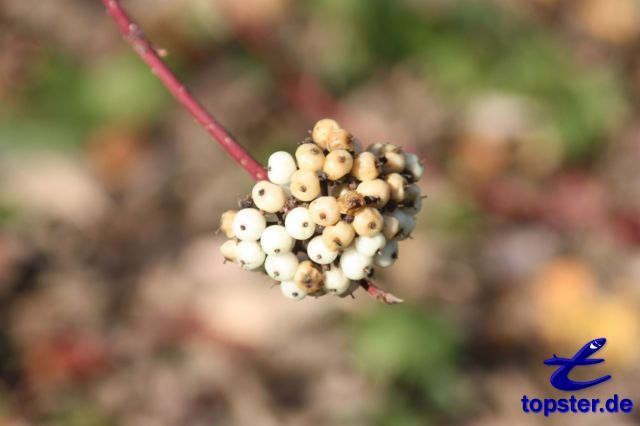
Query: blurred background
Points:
[116, 308]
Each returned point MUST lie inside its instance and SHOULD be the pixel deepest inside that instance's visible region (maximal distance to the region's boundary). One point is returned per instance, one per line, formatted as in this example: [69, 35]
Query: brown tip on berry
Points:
[261, 192]
[323, 216]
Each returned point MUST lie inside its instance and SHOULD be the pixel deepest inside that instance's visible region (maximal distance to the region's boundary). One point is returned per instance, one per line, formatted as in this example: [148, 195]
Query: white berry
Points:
[275, 240]
[354, 264]
[388, 255]
[281, 267]
[250, 255]
[280, 167]
[291, 290]
[335, 281]
[369, 246]
[319, 252]
[298, 223]
[268, 196]
[248, 224]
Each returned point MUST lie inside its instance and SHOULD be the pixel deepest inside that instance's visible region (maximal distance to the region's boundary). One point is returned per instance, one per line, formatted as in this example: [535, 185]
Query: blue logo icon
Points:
[560, 378]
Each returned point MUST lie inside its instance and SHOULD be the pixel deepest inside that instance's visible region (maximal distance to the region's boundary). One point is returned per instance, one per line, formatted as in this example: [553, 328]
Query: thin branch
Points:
[145, 50]
[380, 295]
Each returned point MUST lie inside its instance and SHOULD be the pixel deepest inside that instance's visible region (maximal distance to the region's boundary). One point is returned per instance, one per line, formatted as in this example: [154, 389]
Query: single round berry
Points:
[324, 211]
[248, 224]
[387, 255]
[335, 281]
[319, 253]
[376, 189]
[276, 240]
[354, 264]
[338, 236]
[281, 267]
[250, 255]
[298, 223]
[291, 291]
[390, 226]
[268, 197]
[393, 161]
[321, 131]
[280, 167]
[414, 166]
[229, 250]
[365, 167]
[339, 139]
[369, 246]
[308, 277]
[310, 157]
[226, 223]
[305, 185]
[367, 221]
[337, 164]
[396, 184]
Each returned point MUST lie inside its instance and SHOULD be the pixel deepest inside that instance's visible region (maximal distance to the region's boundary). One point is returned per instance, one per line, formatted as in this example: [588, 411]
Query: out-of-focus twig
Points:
[379, 294]
[133, 34]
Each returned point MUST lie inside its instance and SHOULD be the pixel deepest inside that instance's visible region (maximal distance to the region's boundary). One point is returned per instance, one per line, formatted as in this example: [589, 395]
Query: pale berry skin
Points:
[280, 167]
[229, 250]
[377, 189]
[291, 291]
[395, 162]
[321, 130]
[324, 211]
[391, 226]
[298, 223]
[338, 236]
[309, 156]
[308, 277]
[339, 139]
[250, 255]
[354, 264]
[335, 281]
[387, 255]
[367, 221]
[319, 253]
[275, 240]
[396, 184]
[337, 164]
[364, 167]
[369, 246]
[248, 224]
[268, 196]
[305, 185]
[281, 267]
[226, 223]
[414, 166]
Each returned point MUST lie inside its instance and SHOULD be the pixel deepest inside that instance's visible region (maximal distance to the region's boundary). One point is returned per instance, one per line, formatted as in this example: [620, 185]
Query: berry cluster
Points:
[325, 218]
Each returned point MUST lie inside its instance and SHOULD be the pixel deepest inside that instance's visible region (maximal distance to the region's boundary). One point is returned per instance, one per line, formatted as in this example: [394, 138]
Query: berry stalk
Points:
[135, 37]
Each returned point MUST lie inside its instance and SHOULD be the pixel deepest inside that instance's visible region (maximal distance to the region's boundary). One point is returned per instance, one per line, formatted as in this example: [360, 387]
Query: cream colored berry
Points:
[276, 240]
[387, 255]
[248, 224]
[281, 267]
[226, 223]
[338, 236]
[291, 291]
[365, 166]
[393, 161]
[376, 189]
[337, 164]
[390, 227]
[319, 253]
[298, 223]
[268, 196]
[321, 131]
[369, 246]
[355, 265]
[310, 157]
[339, 139]
[305, 185]
[324, 211]
[367, 221]
[397, 185]
[280, 167]
[250, 255]
[335, 281]
[229, 250]
[308, 277]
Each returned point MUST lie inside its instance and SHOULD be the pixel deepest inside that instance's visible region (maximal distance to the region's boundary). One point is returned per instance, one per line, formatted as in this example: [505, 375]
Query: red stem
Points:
[145, 50]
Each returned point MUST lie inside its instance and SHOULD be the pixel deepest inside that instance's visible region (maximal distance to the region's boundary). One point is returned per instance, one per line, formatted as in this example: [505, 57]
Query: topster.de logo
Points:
[560, 378]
